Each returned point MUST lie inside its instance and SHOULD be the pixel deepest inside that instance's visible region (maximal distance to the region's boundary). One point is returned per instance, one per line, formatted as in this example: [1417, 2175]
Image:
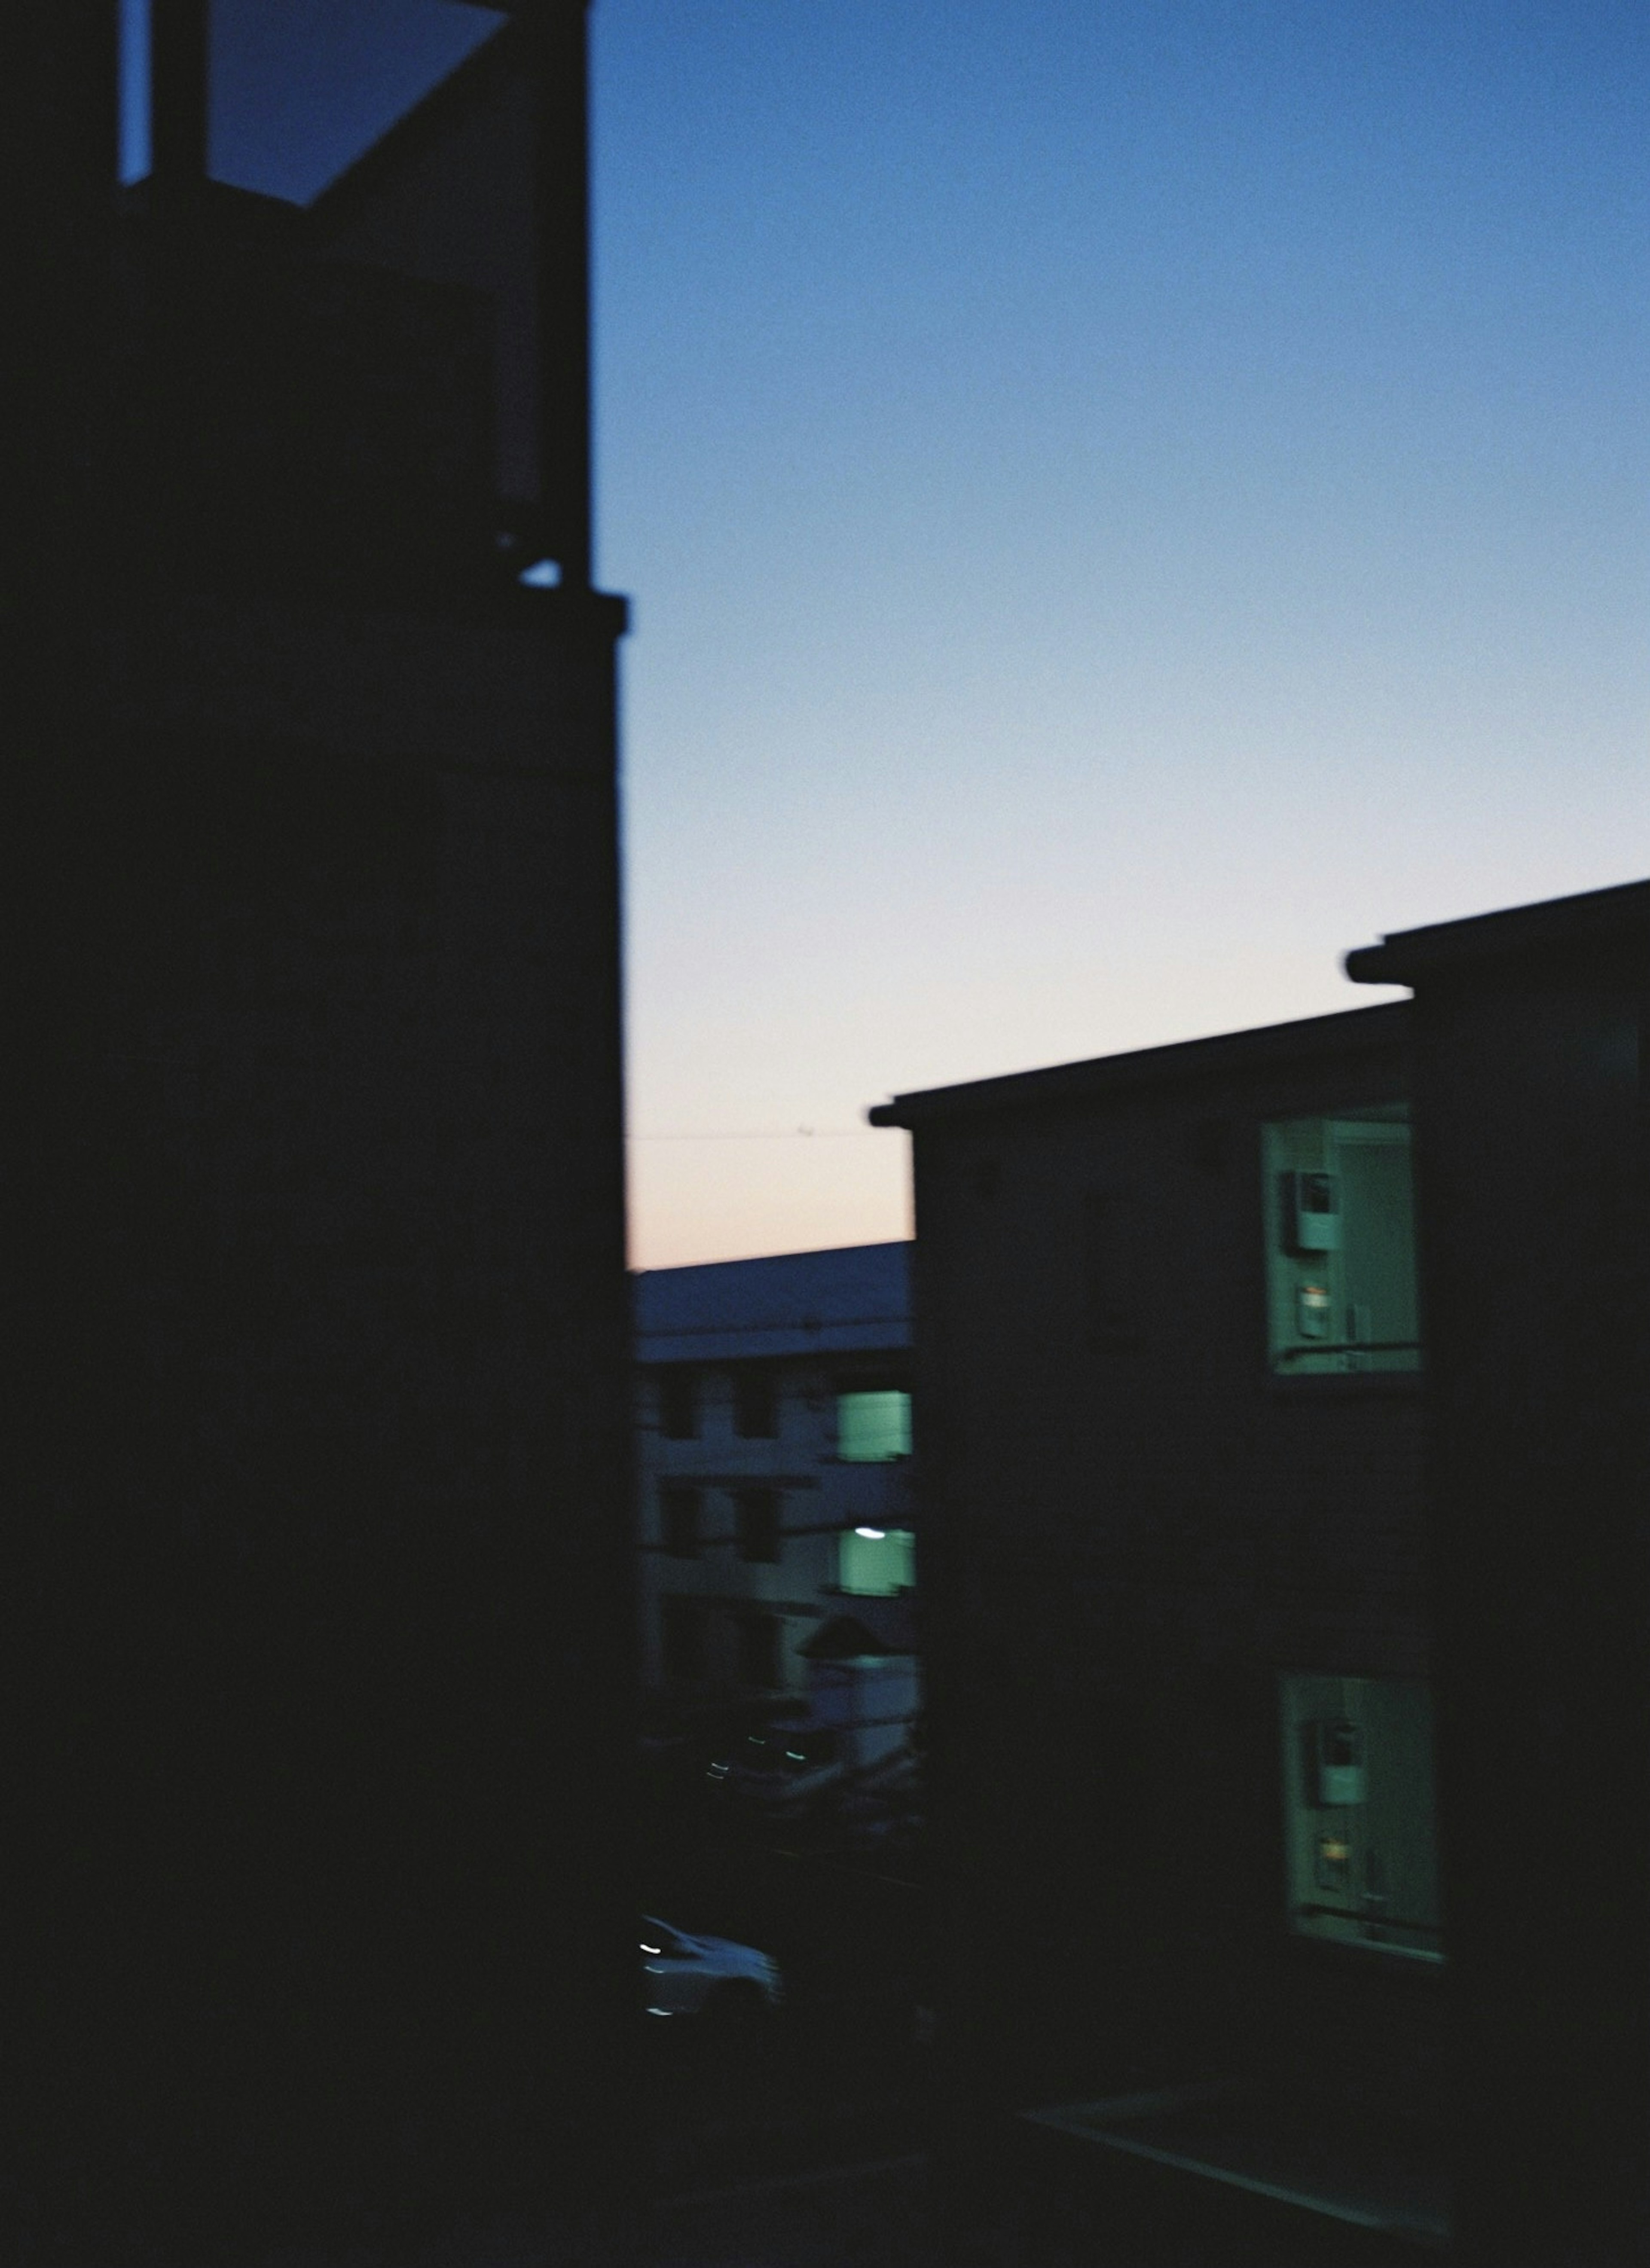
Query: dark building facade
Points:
[1532, 1177]
[320, 1599]
[1169, 1426]
[1281, 1409]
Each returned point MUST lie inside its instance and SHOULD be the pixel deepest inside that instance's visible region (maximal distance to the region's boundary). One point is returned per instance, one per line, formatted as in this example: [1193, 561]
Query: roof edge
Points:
[757, 1259]
[1354, 1030]
[1558, 928]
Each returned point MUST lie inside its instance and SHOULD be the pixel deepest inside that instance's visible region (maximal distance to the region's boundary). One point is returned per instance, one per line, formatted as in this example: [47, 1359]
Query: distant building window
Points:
[873, 1429]
[683, 1641]
[1358, 1812]
[755, 1402]
[758, 1510]
[679, 1405]
[758, 1652]
[678, 1519]
[874, 1563]
[1340, 1240]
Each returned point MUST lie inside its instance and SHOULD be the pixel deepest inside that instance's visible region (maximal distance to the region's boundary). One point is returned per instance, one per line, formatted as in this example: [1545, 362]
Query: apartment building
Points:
[1283, 1404]
[775, 1508]
[1169, 1379]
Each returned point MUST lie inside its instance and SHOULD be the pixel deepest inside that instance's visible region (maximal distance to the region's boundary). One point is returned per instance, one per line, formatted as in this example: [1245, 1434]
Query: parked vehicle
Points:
[791, 1773]
[721, 1984]
[781, 1772]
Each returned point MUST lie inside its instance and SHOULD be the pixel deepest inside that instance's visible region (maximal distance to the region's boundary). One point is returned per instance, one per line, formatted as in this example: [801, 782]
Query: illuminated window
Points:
[873, 1429]
[1340, 1244]
[1358, 1813]
[874, 1563]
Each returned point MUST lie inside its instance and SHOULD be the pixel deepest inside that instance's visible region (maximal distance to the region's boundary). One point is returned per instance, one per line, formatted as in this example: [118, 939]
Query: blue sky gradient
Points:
[1123, 500]
[1122, 503]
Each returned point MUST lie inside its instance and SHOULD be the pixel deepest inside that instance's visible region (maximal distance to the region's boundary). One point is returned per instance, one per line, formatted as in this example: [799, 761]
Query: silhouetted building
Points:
[1530, 1030]
[773, 1472]
[1281, 1404]
[1169, 1430]
[320, 1589]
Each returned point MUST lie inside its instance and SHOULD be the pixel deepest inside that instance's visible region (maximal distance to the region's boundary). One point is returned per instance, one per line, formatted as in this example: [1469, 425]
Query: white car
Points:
[711, 1977]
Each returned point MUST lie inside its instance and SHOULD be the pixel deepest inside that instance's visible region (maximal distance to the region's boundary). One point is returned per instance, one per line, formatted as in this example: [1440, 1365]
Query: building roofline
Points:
[1551, 929]
[1347, 1031]
[756, 1259]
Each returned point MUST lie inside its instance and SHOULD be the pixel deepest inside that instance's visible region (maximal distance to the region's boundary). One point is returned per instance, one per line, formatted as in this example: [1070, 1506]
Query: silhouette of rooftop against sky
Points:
[1121, 503]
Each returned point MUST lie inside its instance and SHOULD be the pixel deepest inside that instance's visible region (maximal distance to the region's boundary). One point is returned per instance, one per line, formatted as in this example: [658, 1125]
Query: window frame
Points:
[1334, 1804]
[901, 1537]
[852, 1391]
[1294, 1361]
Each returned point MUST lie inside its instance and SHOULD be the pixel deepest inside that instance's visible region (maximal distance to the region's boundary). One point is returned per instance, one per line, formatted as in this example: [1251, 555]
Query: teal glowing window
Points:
[875, 1562]
[873, 1429]
[1360, 1842]
[1340, 1243]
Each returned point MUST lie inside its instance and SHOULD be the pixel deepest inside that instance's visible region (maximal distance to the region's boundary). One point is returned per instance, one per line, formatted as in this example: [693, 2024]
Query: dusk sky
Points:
[1123, 500]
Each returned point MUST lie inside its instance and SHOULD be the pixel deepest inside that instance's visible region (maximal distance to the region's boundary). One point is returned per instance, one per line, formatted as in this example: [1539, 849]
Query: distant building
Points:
[773, 1467]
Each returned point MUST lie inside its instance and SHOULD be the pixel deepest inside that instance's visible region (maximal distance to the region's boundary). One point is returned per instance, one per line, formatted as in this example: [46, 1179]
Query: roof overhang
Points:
[1597, 925]
[1350, 1033]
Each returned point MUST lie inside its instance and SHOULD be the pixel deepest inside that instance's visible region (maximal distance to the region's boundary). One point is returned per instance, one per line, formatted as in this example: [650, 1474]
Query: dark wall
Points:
[317, 1587]
[336, 1506]
[1531, 1169]
[1130, 1529]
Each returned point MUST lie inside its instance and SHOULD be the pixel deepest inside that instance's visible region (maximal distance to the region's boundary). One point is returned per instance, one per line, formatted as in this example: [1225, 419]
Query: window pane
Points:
[873, 1428]
[1358, 1812]
[874, 1566]
[1340, 1242]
